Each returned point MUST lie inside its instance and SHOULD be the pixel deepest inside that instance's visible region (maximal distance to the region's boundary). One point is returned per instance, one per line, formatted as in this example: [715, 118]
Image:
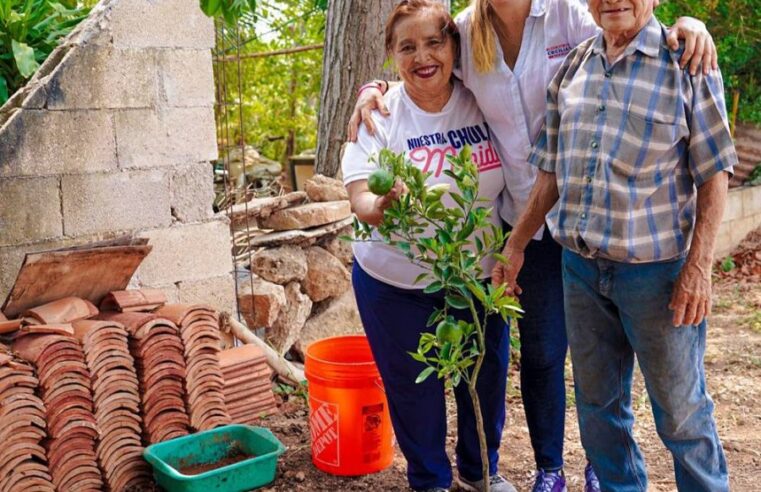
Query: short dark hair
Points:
[406, 8]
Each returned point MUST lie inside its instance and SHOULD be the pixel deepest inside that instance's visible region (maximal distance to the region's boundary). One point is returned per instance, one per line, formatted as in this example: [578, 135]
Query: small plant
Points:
[728, 264]
[287, 391]
[450, 243]
[754, 179]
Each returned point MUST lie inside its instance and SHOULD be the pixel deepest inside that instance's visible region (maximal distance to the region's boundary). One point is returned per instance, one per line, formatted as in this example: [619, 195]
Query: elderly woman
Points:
[511, 49]
[431, 108]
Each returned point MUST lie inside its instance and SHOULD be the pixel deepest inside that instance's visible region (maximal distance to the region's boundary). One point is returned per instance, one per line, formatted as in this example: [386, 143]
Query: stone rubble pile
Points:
[296, 281]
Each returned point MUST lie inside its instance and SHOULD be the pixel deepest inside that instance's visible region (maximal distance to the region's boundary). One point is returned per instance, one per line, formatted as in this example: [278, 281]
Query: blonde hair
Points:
[482, 38]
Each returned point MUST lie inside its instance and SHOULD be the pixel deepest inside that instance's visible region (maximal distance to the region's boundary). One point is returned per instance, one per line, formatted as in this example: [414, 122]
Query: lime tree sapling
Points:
[450, 244]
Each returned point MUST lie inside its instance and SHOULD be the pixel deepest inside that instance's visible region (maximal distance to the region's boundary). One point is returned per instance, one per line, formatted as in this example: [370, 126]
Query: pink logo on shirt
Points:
[430, 152]
[560, 50]
[432, 159]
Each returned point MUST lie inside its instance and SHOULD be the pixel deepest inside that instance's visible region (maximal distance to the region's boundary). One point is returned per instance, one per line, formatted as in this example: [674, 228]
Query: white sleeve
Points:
[581, 24]
[356, 164]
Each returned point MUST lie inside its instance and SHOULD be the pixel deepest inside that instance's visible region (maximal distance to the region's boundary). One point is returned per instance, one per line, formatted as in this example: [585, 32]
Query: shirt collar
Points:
[647, 41]
[538, 8]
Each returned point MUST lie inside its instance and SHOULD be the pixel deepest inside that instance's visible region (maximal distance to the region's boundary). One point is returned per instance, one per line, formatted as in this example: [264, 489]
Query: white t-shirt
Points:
[426, 139]
[514, 101]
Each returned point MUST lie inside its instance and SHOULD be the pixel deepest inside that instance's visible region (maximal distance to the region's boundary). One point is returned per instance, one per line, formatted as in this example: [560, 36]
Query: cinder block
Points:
[148, 139]
[734, 208]
[102, 77]
[192, 192]
[751, 196]
[117, 201]
[192, 133]
[30, 210]
[40, 143]
[141, 139]
[217, 292]
[187, 252]
[187, 77]
[161, 24]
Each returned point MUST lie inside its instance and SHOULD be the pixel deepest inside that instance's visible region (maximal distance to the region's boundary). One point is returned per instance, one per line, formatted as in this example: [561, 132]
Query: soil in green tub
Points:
[234, 455]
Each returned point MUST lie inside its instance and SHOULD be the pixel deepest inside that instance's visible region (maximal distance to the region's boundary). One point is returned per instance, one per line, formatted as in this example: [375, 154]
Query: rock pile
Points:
[299, 265]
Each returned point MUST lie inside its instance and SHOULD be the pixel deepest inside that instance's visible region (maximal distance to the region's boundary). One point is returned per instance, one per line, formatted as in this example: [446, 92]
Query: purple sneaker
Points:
[549, 482]
[592, 483]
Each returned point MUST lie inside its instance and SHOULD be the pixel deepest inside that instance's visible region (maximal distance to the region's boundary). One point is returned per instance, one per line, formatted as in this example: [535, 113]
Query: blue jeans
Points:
[393, 319]
[614, 312]
[543, 350]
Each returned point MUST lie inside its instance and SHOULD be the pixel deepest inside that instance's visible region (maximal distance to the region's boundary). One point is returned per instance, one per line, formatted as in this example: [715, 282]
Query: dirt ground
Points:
[733, 368]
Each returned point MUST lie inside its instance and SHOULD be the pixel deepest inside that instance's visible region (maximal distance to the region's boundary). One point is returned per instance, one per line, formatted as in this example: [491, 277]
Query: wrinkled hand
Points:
[385, 201]
[508, 273]
[369, 100]
[698, 45]
[691, 299]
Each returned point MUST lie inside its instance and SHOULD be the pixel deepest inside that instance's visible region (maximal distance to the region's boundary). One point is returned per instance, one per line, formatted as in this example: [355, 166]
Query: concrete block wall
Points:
[115, 135]
[742, 215]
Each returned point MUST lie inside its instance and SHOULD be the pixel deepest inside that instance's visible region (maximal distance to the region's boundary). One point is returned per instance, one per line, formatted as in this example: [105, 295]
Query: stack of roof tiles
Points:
[117, 403]
[248, 384]
[157, 348]
[199, 329]
[23, 463]
[64, 385]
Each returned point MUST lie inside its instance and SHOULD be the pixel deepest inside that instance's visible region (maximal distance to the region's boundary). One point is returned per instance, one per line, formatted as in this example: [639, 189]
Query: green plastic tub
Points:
[204, 459]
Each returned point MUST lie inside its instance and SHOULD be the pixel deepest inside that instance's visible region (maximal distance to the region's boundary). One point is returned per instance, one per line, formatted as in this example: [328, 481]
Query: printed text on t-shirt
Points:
[430, 151]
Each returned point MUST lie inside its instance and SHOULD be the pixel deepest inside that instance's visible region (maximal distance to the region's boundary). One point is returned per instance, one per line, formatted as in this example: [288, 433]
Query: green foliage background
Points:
[29, 31]
[736, 29]
[280, 93]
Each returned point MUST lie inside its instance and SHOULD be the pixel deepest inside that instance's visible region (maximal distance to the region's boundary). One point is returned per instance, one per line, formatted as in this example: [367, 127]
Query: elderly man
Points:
[633, 168]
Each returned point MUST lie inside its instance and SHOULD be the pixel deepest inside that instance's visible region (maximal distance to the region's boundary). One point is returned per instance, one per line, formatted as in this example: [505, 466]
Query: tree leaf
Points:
[424, 375]
[3, 90]
[500, 258]
[457, 302]
[211, 7]
[417, 356]
[420, 278]
[433, 287]
[24, 56]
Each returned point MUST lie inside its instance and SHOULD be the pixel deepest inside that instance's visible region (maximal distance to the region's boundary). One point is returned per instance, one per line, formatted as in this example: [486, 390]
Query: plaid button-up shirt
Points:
[629, 143]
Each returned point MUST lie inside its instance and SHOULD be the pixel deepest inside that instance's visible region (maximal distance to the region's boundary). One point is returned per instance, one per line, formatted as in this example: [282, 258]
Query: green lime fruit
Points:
[380, 182]
[448, 331]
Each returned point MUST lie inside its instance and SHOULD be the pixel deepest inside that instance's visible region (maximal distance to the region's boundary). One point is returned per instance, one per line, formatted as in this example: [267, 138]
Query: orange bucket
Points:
[348, 413]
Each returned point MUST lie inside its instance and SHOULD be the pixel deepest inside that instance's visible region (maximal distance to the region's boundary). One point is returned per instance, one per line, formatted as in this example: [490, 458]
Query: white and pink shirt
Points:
[426, 139]
[514, 101]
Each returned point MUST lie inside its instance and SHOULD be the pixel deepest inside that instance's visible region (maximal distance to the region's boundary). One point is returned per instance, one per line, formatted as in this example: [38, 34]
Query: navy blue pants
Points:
[544, 345]
[393, 319]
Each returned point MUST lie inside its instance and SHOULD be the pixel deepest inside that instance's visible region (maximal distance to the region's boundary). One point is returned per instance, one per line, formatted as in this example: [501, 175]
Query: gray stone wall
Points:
[114, 135]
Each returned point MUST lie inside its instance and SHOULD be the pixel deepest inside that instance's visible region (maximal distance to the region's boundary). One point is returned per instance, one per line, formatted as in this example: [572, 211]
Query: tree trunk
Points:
[354, 54]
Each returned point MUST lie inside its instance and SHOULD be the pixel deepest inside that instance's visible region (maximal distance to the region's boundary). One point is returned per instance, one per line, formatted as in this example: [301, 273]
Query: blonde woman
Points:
[510, 52]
